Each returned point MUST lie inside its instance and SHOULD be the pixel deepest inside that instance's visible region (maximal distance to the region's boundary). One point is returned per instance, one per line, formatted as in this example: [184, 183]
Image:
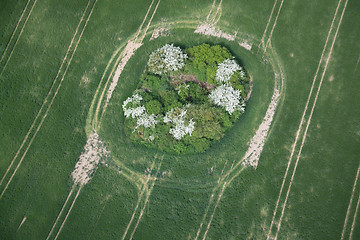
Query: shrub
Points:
[153, 107]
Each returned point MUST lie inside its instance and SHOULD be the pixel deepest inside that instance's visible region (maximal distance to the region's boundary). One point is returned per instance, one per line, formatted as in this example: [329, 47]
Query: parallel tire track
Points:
[136, 207]
[223, 182]
[210, 201]
[46, 100]
[142, 24]
[78, 192]
[354, 219]
[303, 119]
[13, 34]
[350, 204]
[211, 9]
[267, 24]
[308, 122]
[132, 45]
[68, 213]
[311, 114]
[60, 213]
[144, 206]
[147, 191]
[17, 39]
[273, 27]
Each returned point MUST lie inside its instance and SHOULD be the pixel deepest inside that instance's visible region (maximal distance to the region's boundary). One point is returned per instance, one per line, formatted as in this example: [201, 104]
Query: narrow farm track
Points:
[308, 122]
[210, 201]
[147, 189]
[350, 204]
[302, 119]
[273, 27]
[216, 204]
[60, 213]
[17, 38]
[68, 213]
[236, 167]
[136, 207]
[357, 64]
[354, 218]
[148, 193]
[142, 24]
[211, 9]
[215, 21]
[211, 17]
[50, 96]
[13, 33]
[267, 24]
[217, 191]
[132, 45]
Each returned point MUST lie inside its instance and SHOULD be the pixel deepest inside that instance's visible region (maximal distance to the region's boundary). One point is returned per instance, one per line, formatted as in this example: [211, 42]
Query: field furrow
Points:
[49, 100]
[308, 121]
[17, 38]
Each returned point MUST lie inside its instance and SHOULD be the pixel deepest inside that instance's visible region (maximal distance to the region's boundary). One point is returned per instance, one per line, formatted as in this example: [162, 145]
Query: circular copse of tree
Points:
[187, 98]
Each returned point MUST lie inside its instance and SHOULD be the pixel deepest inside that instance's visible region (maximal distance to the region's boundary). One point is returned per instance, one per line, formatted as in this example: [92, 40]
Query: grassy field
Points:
[58, 57]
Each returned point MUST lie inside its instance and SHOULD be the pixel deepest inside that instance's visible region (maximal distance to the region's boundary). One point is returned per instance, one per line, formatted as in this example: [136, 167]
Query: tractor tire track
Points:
[217, 11]
[302, 121]
[267, 24]
[45, 101]
[309, 120]
[17, 39]
[147, 13]
[68, 213]
[354, 219]
[211, 9]
[350, 203]
[60, 213]
[147, 191]
[210, 201]
[273, 27]
[136, 207]
[145, 204]
[225, 180]
[13, 34]
[132, 45]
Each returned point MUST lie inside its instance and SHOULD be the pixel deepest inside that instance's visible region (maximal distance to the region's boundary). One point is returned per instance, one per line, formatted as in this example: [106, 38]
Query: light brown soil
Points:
[185, 78]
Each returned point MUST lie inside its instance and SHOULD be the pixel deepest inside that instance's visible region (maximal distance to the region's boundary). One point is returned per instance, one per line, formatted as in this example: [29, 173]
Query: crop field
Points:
[69, 171]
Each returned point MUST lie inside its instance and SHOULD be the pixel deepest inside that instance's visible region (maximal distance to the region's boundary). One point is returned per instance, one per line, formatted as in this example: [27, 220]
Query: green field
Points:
[58, 60]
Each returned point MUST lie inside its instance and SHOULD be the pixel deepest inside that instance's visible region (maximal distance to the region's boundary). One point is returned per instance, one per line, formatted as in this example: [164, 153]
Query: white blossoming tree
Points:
[166, 59]
[177, 118]
[132, 108]
[229, 98]
[226, 69]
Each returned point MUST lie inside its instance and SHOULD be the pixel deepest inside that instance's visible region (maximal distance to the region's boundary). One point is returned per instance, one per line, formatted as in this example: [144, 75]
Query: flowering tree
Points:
[226, 69]
[166, 59]
[177, 117]
[229, 98]
[132, 107]
[146, 120]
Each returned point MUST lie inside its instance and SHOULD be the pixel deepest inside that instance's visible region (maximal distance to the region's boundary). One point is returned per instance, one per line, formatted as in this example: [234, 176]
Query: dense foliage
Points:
[186, 100]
